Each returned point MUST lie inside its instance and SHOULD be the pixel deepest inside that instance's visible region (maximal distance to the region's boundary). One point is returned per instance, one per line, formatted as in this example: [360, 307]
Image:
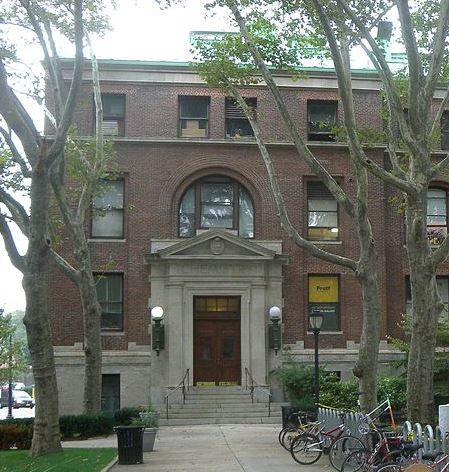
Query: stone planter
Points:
[149, 435]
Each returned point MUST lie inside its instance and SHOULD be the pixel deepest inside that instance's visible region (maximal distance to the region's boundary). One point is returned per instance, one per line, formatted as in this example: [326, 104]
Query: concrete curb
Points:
[111, 464]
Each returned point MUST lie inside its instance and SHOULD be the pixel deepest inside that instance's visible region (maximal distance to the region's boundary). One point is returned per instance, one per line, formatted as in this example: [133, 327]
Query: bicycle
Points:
[307, 448]
[371, 460]
[436, 462]
[298, 423]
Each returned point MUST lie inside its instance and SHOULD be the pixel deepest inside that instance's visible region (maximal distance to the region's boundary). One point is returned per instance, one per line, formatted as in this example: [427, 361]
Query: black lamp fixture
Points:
[316, 321]
[274, 328]
[158, 330]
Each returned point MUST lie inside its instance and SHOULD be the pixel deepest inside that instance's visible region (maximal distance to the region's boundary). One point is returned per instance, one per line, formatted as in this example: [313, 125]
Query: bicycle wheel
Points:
[306, 448]
[357, 460]
[342, 448]
[286, 436]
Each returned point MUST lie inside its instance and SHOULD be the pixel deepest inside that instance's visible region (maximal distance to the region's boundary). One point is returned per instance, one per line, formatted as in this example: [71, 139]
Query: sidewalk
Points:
[214, 448]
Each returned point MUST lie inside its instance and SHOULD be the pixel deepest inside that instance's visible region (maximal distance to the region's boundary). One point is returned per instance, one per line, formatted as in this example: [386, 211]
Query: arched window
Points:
[216, 202]
[436, 215]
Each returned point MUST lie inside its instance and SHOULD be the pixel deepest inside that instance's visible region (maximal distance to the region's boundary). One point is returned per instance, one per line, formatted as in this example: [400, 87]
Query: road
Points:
[17, 413]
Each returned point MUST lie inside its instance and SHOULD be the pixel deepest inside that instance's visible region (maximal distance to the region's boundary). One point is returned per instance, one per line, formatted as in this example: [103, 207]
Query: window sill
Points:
[113, 333]
[326, 332]
[105, 240]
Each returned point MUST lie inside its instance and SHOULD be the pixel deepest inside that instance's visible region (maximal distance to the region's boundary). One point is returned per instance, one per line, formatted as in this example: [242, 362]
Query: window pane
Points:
[216, 216]
[228, 347]
[113, 106]
[101, 284]
[111, 321]
[110, 195]
[323, 288]
[322, 111]
[246, 214]
[193, 107]
[436, 235]
[114, 288]
[436, 193]
[236, 128]
[217, 193]
[193, 128]
[322, 218]
[187, 214]
[436, 221]
[322, 234]
[436, 206]
[108, 225]
[331, 315]
[322, 205]
[443, 290]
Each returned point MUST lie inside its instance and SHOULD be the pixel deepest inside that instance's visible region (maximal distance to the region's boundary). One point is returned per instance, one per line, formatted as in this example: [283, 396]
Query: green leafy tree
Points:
[12, 359]
[44, 23]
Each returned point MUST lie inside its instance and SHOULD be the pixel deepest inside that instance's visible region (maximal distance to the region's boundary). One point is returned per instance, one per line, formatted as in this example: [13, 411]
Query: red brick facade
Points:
[158, 166]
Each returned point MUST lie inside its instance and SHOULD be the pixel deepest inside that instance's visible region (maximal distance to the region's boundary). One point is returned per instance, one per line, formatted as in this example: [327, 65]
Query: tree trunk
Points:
[92, 343]
[92, 324]
[426, 309]
[367, 363]
[46, 437]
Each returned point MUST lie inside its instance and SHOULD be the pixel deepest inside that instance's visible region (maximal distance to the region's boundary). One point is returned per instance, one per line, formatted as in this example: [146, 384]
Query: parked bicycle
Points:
[297, 423]
[437, 462]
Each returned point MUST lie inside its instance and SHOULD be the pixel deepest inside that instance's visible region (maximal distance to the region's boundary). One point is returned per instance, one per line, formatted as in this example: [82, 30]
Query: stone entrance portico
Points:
[213, 263]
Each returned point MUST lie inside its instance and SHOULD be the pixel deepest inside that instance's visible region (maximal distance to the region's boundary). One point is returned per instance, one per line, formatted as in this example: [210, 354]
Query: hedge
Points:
[15, 435]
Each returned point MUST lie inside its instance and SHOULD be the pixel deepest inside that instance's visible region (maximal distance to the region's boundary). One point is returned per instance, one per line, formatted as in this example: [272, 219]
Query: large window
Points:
[110, 297]
[237, 124]
[322, 118]
[324, 295]
[322, 213]
[436, 215]
[443, 291]
[110, 393]
[216, 202]
[107, 210]
[193, 117]
[445, 130]
[113, 114]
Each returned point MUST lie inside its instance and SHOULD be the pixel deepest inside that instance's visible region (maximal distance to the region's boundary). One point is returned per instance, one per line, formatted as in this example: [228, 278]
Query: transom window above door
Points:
[216, 202]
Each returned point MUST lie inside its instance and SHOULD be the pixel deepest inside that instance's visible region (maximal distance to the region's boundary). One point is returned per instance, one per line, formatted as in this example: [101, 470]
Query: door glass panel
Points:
[228, 348]
[206, 349]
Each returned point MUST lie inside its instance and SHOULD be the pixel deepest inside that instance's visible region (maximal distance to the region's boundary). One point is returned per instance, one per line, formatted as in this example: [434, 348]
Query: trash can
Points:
[286, 412]
[130, 444]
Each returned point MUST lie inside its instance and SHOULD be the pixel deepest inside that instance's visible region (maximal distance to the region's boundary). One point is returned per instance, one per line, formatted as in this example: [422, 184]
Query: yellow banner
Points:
[323, 289]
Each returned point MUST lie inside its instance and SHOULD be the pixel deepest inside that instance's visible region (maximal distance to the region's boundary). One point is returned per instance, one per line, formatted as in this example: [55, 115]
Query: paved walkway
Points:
[214, 448]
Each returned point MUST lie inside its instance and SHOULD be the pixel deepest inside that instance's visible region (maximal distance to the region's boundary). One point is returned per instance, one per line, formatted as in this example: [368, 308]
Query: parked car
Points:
[18, 385]
[19, 399]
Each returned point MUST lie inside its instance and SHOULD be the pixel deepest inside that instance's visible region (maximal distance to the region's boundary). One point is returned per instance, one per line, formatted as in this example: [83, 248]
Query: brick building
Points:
[190, 225]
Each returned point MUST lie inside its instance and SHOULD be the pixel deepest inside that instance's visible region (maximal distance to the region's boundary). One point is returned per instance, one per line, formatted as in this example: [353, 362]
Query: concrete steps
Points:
[219, 405]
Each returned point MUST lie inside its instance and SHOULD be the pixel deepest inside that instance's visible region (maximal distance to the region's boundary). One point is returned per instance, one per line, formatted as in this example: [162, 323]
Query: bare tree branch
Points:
[438, 51]
[10, 245]
[16, 156]
[17, 118]
[311, 248]
[300, 145]
[66, 119]
[18, 212]
[65, 267]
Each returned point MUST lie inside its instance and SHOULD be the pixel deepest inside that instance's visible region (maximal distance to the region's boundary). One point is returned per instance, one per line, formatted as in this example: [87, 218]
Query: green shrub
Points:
[298, 383]
[124, 416]
[395, 388]
[85, 426]
[338, 394]
[13, 435]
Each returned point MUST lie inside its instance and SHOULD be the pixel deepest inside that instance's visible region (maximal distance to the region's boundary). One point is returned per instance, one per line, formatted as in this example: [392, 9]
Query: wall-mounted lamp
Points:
[158, 331]
[274, 329]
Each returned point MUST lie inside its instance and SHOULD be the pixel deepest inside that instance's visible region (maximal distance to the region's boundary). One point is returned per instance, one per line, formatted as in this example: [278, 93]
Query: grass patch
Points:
[69, 460]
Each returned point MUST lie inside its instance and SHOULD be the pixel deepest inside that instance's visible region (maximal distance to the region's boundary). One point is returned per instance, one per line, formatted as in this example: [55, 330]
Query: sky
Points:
[141, 30]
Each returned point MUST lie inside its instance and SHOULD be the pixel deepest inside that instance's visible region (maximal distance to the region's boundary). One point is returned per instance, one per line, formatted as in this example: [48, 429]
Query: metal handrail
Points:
[253, 385]
[181, 385]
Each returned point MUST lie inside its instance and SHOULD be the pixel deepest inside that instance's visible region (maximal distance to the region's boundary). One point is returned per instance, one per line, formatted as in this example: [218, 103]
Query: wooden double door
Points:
[216, 336]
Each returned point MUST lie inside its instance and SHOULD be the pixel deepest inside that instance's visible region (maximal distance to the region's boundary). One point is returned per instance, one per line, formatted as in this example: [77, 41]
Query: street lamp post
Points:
[9, 415]
[316, 321]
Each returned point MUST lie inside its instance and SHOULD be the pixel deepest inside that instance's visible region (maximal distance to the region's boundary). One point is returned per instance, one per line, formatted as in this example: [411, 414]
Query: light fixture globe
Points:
[316, 319]
[157, 312]
[275, 313]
